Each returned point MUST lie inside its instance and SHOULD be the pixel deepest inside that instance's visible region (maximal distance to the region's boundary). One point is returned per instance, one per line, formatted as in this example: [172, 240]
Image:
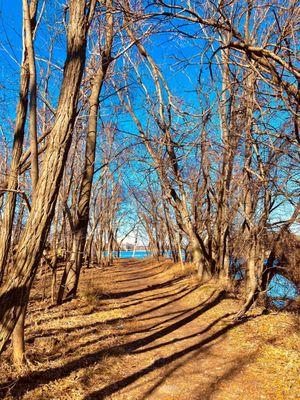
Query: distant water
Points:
[279, 287]
[132, 254]
[283, 289]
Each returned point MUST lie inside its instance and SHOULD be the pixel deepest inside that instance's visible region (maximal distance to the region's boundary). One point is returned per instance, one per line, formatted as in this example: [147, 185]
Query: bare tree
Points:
[12, 182]
[81, 220]
[14, 294]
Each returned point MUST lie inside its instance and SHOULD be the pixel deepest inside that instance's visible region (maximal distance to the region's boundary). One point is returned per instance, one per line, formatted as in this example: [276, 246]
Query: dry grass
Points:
[97, 345]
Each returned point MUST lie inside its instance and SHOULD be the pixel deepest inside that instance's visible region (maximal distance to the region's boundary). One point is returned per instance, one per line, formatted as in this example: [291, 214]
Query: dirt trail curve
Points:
[151, 334]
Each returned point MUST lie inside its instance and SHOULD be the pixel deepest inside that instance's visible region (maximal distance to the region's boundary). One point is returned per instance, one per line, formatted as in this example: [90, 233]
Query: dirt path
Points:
[139, 332]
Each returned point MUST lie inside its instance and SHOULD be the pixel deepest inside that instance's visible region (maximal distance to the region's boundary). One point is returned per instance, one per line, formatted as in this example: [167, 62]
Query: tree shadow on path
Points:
[160, 363]
[38, 378]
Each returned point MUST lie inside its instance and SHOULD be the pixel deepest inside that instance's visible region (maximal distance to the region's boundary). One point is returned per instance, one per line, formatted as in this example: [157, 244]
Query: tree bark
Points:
[84, 195]
[15, 292]
[18, 338]
[32, 102]
[12, 184]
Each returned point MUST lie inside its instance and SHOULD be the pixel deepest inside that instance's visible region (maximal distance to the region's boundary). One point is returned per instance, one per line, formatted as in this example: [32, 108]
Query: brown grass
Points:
[147, 330]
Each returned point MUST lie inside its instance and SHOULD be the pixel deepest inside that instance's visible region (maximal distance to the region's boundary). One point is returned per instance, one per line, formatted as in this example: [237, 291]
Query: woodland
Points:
[168, 126]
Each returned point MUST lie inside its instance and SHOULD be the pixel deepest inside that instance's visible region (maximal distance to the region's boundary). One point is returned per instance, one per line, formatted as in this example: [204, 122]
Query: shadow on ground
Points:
[160, 320]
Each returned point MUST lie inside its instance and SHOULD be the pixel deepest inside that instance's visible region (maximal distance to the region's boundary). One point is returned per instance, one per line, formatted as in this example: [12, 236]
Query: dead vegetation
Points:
[143, 330]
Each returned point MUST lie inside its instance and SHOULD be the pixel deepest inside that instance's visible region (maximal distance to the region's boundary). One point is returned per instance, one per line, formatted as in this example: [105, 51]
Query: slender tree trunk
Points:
[32, 102]
[18, 338]
[88, 251]
[180, 251]
[54, 259]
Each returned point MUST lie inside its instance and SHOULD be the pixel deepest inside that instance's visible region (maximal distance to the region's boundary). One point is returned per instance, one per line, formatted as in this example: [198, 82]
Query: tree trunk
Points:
[252, 283]
[180, 251]
[197, 257]
[88, 250]
[84, 196]
[9, 211]
[32, 102]
[18, 339]
[17, 288]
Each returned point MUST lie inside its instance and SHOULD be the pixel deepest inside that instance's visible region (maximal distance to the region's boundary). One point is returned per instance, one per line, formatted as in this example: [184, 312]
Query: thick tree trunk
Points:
[252, 281]
[249, 228]
[84, 196]
[73, 274]
[9, 211]
[197, 256]
[18, 338]
[17, 288]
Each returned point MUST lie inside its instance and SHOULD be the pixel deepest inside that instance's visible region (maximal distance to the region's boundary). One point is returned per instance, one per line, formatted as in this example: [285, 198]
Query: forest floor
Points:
[143, 330]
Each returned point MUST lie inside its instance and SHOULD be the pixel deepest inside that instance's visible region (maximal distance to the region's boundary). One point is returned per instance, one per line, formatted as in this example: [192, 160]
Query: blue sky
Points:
[10, 51]
[166, 50]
